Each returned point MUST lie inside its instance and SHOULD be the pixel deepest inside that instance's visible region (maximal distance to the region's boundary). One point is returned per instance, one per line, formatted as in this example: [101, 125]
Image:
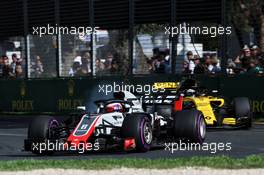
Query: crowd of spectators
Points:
[250, 60]
[13, 69]
[108, 65]
[16, 68]
[194, 64]
[160, 62]
[82, 65]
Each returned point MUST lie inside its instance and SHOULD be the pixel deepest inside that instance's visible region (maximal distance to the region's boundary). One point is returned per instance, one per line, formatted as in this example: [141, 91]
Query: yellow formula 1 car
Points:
[217, 112]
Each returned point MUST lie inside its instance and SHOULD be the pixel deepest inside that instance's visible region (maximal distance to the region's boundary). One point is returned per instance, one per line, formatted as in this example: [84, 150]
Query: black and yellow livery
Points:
[217, 111]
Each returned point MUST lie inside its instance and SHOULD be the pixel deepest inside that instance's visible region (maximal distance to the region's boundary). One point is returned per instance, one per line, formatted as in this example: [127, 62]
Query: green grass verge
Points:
[98, 164]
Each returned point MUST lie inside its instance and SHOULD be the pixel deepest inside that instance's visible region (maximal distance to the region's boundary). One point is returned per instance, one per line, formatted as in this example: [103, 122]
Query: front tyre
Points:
[189, 125]
[138, 127]
[40, 130]
[243, 111]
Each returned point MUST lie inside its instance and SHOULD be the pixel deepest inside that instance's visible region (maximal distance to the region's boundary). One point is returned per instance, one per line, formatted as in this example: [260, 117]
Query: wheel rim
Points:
[147, 133]
[202, 128]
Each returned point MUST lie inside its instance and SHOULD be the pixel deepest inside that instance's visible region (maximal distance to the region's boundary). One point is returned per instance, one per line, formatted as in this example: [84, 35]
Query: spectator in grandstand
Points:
[37, 67]
[108, 61]
[6, 67]
[185, 67]
[13, 64]
[85, 64]
[160, 61]
[1, 66]
[159, 64]
[199, 67]
[246, 52]
[230, 67]
[255, 53]
[254, 67]
[190, 59]
[242, 60]
[99, 65]
[207, 62]
[19, 71]
[114, 67]
[153, 61]
[149, 65]
[75, 69]
[216, 65]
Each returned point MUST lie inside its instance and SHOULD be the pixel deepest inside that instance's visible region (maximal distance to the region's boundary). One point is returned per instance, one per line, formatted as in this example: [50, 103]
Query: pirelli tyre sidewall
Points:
[189, 125]
[138, 127]
[40, 130]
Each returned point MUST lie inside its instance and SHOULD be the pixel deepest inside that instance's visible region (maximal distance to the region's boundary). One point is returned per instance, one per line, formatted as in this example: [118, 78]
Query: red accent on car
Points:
[178, 104]
[129, 144]
[76, 140]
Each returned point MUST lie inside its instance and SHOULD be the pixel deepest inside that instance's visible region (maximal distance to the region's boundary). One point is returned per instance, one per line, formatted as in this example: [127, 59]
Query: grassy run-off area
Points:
[221, 162]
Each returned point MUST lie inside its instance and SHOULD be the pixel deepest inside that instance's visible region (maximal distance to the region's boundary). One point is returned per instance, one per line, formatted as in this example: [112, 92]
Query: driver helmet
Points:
[114, 107]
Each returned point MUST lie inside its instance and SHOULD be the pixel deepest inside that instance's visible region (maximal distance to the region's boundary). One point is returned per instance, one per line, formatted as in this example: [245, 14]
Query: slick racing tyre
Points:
[189, 125]
[138, 127]
[41, 129]
[243, 111]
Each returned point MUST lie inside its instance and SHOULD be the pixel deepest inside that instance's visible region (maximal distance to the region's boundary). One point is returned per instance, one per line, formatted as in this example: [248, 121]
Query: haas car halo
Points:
[124, 121]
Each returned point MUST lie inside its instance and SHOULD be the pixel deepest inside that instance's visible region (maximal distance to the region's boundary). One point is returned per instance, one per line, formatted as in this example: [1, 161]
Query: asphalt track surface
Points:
[13, 131]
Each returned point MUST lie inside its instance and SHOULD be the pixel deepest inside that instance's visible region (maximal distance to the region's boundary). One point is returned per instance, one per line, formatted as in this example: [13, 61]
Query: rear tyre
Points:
[41, 129]
[138, 127]
[189, 125]
[243, 111]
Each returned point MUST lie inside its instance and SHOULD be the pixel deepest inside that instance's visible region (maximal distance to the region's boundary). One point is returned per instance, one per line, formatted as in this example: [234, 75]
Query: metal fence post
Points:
[131, 36]
[26, 40]
[172, 39]
[58, 39]
[91, 20]
[223, 37]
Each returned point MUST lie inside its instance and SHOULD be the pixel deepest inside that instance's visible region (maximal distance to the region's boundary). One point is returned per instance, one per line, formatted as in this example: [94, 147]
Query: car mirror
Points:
[83, 108]
[214, 91]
